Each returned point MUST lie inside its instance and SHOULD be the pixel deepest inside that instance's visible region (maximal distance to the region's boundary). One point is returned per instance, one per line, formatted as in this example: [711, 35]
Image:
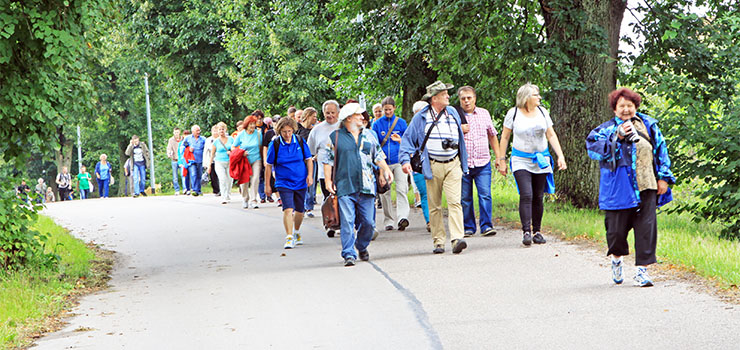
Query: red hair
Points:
[627, 94]
[248, 120]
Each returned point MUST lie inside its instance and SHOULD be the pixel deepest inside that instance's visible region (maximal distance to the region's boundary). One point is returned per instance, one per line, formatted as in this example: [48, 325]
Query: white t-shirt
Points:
[446, 128]
[318, 139]
[529, 135]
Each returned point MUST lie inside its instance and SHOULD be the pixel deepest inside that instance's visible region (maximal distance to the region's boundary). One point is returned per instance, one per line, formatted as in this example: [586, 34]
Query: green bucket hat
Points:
[435, 88]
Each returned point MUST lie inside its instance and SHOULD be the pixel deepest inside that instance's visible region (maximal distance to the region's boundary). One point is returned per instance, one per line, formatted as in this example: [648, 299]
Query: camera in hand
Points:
[631, 137]
[449, 144]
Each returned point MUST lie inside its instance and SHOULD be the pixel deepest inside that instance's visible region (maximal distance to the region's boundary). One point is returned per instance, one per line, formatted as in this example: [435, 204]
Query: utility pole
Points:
[79, 151]
[149, 128]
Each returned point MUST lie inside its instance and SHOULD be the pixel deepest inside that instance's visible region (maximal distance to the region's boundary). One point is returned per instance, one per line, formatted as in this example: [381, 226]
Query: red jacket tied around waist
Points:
[239, 167]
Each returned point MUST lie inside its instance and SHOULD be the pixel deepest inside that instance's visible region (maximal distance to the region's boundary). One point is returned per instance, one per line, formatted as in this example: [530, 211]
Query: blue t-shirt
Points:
[222, 151]
[290, 171]
[250, 143]
[104, 170]
[198, 145]
[391, 147]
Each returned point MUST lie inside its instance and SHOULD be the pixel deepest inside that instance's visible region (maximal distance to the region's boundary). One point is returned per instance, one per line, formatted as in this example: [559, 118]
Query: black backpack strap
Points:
[276, 147]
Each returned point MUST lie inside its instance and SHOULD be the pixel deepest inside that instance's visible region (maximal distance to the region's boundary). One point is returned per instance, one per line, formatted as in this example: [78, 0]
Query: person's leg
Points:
[422, 186]
[466, 198]
[175, 169]
[142, 178]
[402, 193]
[215, 185]
[539, 181]
[299, 198]
[524, 183]
[452, 189]
[224, 179]
[254, 181]
[646, 229]
[347, 205]
[485, 205]
[388, 210]
[135, 180]
[434, 194]
[100, 188]
[106, 183]
[618, 224]
[365, 210]
[324, 191]
[185, 180]
[311, 192]
[82, 194]
[261, 188]
[193, 177]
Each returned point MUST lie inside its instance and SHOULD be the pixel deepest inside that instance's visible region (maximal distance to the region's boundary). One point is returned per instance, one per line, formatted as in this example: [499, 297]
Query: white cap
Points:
[418, 105]
[349, 110]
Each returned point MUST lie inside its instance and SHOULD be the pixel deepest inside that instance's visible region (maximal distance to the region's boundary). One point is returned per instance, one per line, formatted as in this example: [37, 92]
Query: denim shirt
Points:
[354, 172]
[414, 136]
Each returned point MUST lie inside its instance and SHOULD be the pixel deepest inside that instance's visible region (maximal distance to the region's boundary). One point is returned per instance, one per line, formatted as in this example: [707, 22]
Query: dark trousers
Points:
[324, 191]
[531, 191]
[64, 194]
[214, 179]
[643, 220]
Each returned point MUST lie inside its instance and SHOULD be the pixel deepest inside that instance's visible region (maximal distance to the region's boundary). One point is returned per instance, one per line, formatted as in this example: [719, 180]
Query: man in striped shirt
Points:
[444, 161]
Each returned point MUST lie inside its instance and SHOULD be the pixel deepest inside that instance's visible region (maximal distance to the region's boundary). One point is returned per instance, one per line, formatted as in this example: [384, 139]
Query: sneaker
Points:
[365, 256]
[468, 234]
[538, 239]
[349, 261]
[196, 194]
[403, 224]
[143, 194]
[269, 199]
[310, 214]
[244, 204]
[330, 233]
[488, 232]
[527, 239]
[458, 245]
[389, 228]
[438, 249]
[255, 205]
[380, 205]
[375, 235]
[417, 204]
[280, 202]
[289, 242]
[224, 202]
[186, 192]
[617, 271]
[298, 240]
[177, 193]
[429, 227]
[136, 195]
[262, 200]
[642, 279]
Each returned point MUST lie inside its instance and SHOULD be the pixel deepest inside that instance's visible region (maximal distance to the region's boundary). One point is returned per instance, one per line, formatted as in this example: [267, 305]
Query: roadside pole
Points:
[149, 129]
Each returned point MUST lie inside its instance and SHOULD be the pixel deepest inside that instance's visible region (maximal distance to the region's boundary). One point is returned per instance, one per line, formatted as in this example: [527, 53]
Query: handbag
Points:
[415, 161]
[330, 208]
[380, 189]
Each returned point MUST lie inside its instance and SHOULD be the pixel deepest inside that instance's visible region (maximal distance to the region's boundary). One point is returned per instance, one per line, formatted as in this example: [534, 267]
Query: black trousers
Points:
[643, 220]
[214, 179]
[531, 192]
[324, 191]
[64, 194]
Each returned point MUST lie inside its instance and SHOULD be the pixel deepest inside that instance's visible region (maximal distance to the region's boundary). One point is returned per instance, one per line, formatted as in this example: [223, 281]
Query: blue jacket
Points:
[391, 147]
[617, 160]
[198, 146]
[414, 136]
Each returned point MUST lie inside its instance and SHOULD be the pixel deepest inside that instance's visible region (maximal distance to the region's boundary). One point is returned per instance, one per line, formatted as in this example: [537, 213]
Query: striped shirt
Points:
[446, 128]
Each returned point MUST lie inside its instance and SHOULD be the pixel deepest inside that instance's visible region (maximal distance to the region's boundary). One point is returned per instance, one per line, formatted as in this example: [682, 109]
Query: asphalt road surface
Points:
[192, 273]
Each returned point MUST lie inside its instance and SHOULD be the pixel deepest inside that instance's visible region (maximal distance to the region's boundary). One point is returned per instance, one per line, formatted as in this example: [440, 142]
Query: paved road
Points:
[195, 274]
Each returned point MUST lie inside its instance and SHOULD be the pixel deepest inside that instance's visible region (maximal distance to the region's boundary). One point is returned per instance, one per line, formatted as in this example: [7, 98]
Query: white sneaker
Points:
[289, 242]
[244, 204]
[255, 205]
[298, 240]
[309, 214]
[177, 193]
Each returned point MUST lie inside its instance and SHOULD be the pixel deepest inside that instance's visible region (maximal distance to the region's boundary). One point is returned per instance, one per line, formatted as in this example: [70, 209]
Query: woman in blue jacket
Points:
[635, 174]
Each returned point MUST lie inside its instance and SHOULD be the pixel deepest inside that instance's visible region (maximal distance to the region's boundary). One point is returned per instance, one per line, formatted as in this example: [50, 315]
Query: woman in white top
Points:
[531, 161]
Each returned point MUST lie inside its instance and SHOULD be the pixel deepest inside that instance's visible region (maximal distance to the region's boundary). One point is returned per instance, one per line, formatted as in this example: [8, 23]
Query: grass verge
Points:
[33, 299]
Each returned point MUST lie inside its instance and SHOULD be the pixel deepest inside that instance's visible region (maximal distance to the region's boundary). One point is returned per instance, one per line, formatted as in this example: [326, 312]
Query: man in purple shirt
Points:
[480, 136]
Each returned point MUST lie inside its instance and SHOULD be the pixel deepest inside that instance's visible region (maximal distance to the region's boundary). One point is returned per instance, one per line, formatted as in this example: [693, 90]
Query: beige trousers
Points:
[253, 184]
[402, 201]
[447, 177]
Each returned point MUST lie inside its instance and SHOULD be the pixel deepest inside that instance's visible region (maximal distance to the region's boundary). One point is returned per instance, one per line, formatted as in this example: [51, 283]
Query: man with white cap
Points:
[434, 143]
[350, 154]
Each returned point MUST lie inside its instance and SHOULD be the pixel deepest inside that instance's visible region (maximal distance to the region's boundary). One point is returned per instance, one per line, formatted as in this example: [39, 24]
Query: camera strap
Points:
[435, 119]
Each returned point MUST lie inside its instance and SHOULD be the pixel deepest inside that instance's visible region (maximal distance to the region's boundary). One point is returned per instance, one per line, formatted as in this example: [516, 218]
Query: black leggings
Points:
[531, 191]
[324, 191]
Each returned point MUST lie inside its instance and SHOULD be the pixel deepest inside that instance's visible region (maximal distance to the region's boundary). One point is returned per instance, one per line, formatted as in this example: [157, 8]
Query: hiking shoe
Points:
[330, 233]
[468, 234]
[617, 271]
[262, 200]
[389, 228]
[527, 239]
[438, 249]
[349, 261]
[365, 256]
[375, 235]
[642, 279]
[402, 224]
[269, 199]
[298, 238]
[309, 214]
[538, 239]
[458, 245]
[488, 232]
[289, 242]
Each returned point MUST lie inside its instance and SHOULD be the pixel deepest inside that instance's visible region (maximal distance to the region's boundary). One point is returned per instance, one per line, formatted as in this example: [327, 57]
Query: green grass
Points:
[30, 295]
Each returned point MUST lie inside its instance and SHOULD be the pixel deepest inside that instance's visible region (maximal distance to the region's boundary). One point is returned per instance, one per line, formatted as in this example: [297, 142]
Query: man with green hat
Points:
[436, 136]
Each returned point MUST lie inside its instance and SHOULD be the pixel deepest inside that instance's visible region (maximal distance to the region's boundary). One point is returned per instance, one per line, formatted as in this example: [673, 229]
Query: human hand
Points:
[407, 168]
[624, 129]
[330, 186]
[389, 176]
[396, 137]
[561, 163]
[662, 187]
[309, 180]
[268, 191]
[502, 167]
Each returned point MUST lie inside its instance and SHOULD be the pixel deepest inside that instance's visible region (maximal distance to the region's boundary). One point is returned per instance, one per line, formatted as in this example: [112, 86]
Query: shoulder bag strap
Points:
[393, 126]
[336, 157]
[429, 132]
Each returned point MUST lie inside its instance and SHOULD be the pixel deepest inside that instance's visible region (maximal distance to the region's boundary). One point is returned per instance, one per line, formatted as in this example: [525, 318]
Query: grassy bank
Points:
[31, 298]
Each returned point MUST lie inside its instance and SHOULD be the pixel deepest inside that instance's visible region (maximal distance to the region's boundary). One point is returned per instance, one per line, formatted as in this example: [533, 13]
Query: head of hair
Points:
[249, 120]
[627, 93]
[329, 102]
[309, 112]
[286, 122]
[525, 92]
[176, 129]
[376, 106]
[135, 137]
[186, 132]
[388, 101]
[292, 110]
[103, 155]
[223, 125]
[466, 88]
[351, 100]
[258, 113]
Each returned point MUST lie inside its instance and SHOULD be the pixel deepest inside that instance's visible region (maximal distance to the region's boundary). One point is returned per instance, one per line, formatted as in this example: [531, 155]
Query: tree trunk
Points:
[418, 77]
[121, 182]
[63, 156]
[576, 112]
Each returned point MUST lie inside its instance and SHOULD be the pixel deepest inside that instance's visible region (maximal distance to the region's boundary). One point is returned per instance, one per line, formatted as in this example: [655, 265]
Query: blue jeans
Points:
[261, 187]
[175, 171]
[103, 187]
[482, 178]
[139, 178]
[362, 206]
[421, 184]
[195, 171]
[311, 191]
[83, 193]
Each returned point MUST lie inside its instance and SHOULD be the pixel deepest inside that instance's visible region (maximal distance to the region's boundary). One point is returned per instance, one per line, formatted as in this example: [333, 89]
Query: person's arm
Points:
[553, 138]
[327, 179]
[309, 166]
[129, 149]
[268, 178]
[385, 172]
[493, 142]
[504, 145]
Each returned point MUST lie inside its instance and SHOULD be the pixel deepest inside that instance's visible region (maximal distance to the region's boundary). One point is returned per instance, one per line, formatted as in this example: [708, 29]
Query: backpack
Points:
[276, 147]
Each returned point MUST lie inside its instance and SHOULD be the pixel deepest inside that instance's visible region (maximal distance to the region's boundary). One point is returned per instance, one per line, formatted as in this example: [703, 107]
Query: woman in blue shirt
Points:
[290, 156]
[220, 150]
[103, 175]
[250, 141]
